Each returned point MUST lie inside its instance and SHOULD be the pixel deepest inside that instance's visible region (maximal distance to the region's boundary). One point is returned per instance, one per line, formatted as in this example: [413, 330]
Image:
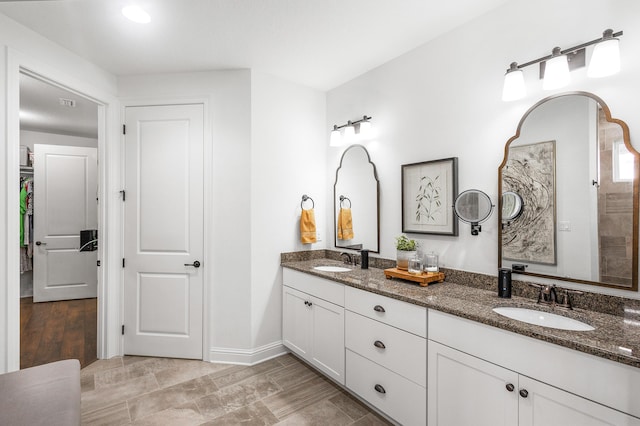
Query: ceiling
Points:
[317, 43]
[41, 110]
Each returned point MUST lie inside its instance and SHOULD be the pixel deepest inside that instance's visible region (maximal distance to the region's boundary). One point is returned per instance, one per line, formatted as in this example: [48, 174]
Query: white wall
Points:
[443, 100]
[288, 157]
[263, 151]
[22, 47]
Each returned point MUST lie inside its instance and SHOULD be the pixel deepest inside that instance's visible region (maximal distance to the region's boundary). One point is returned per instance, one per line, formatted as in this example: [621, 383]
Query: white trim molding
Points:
[108, 153]
[247, 356]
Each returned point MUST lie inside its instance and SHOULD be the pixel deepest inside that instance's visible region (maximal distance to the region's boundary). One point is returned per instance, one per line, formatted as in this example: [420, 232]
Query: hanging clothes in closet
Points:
[26, 224]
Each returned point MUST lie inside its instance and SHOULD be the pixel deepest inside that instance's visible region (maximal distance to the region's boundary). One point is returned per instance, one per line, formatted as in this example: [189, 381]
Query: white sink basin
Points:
[544, 319]
[331, 268]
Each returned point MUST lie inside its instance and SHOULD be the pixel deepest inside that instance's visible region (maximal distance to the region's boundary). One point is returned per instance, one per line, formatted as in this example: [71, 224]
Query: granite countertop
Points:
[615, 337]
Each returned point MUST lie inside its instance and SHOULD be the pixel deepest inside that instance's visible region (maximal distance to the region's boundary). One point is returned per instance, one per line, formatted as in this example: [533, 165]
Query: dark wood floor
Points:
[52, 331]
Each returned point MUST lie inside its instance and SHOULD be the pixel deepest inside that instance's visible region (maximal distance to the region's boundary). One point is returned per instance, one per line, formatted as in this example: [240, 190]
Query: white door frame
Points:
[207, 203]
[109, 306]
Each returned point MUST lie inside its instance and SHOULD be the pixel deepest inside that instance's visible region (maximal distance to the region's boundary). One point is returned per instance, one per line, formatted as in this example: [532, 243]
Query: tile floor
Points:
[162, 391]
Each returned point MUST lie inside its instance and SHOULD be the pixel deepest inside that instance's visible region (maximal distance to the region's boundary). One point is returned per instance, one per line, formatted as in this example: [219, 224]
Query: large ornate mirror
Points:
[355, 201]
[571, 174]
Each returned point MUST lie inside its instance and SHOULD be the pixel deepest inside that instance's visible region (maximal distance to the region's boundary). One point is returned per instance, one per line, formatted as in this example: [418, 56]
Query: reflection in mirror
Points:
[474, 207]
[511, 207]
[576, 173]
[355, 201]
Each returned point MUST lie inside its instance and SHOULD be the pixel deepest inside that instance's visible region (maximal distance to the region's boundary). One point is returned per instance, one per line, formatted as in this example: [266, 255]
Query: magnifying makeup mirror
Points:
[473, 207]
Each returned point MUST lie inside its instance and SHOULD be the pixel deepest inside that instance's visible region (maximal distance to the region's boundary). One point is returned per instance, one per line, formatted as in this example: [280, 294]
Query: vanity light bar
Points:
[514, 81]
[337, 138]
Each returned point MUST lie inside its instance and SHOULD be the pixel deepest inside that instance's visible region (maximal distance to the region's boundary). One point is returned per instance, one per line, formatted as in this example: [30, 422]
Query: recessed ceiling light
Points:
[136, 14]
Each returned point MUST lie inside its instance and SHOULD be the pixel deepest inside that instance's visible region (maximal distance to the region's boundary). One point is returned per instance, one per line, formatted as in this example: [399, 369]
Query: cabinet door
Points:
[327, 334]
[545, 405]
[465, 390]
[296, 321]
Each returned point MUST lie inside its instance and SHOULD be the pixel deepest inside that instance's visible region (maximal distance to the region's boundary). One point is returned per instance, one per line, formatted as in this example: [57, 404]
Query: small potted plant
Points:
[405, 249]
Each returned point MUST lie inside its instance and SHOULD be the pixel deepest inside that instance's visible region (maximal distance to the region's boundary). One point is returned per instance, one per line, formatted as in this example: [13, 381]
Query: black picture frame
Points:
[429, 189]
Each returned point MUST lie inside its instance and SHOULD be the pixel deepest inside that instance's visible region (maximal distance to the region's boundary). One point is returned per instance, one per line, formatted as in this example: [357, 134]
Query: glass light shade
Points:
[349, 134]
[605, 60]
[336, 138]
[556, 73]
[136, 14]
[365, 129]
[514, 87]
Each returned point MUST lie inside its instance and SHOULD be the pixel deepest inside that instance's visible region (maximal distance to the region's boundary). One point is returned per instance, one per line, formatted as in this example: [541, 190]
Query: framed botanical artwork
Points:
[429, 190]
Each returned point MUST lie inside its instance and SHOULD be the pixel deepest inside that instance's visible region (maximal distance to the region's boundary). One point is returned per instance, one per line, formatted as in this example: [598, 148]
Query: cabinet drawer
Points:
[402, 400]
[324, 289]
[401, 352]
[403, 315]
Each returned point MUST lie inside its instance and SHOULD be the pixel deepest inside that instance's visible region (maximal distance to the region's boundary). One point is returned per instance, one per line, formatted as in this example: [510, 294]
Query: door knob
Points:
[195, 264]
[40, 243]
[524, 393]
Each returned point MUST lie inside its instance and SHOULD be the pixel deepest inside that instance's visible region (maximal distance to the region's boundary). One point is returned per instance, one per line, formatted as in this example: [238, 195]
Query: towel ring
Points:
[343, 198]
[305, 198]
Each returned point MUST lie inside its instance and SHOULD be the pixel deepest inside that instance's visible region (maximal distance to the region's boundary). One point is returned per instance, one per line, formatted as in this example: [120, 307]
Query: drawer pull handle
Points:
[379, 389]
[379, 344]
[510, 387]
[308, 303]
[524, 393]
[378, 308]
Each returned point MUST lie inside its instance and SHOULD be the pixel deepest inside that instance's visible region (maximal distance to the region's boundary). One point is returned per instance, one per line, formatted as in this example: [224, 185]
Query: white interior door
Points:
[163, 243]
[65, 202]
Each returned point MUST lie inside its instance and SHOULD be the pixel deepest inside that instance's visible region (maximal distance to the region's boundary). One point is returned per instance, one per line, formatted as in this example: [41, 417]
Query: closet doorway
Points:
[59, 222]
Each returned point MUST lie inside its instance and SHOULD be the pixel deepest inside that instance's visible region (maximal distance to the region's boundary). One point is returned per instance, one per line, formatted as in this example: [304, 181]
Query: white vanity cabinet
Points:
[481, 375]
[465, 390]
[313, 321]
[386, 353]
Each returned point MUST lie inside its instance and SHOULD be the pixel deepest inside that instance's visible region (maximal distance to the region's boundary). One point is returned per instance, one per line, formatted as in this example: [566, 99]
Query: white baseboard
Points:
[247, 356]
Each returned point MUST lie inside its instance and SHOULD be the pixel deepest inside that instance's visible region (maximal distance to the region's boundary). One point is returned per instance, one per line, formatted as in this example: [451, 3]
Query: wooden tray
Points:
[423, 279]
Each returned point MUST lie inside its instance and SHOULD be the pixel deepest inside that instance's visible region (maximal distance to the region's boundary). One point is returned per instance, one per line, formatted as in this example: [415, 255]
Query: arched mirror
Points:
[576, 174]
[473, 207]
[355, 201]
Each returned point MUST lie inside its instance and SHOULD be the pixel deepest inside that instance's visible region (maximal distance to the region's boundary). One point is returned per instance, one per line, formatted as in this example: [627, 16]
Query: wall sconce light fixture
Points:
[346, 134]
[555, 68]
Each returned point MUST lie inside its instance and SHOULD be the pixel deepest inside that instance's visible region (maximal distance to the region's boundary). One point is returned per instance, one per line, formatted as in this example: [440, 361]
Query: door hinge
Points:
[123, 329]
[123, 262]
[124, 194]
[124, 129]
[98, 263]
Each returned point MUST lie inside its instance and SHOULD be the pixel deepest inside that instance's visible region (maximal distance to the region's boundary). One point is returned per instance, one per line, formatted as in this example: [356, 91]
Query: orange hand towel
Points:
[307, 227]
[345, 225]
